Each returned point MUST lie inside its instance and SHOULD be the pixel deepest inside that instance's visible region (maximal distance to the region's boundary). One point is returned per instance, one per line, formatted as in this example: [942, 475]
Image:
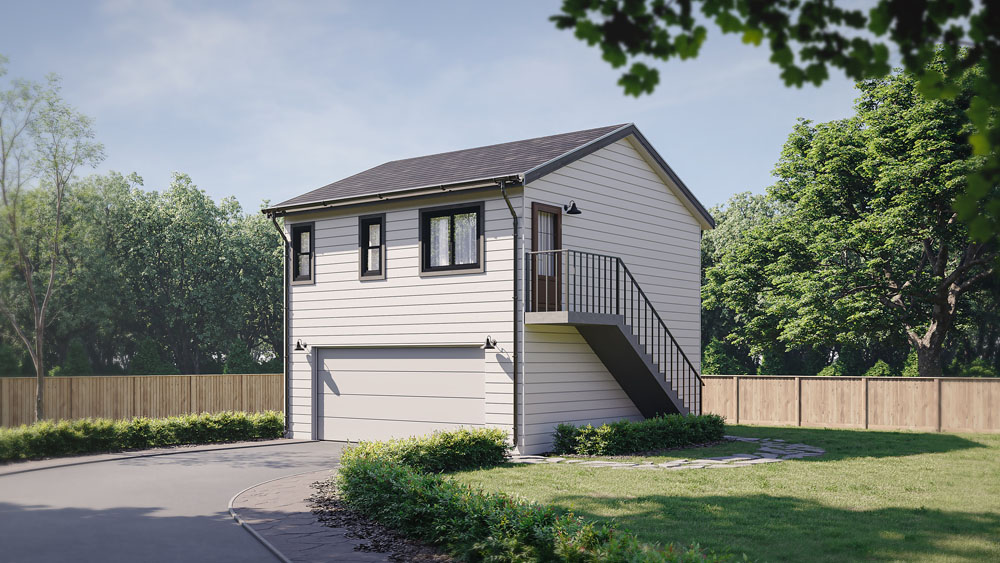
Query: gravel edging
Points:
[331, 511]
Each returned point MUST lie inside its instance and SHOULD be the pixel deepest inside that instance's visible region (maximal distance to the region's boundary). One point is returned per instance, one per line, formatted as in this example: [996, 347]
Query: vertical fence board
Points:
[18, 401]
[945, 404]
[903, 403]
[717, 397]
[102, 397]
[216, 393]
[57, 401]
[970, 405]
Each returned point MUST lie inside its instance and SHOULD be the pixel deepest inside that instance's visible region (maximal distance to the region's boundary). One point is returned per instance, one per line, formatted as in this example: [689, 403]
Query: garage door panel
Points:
[419, 409]
[355, 429]
[425, 359]
[378, 393]
[453, 384]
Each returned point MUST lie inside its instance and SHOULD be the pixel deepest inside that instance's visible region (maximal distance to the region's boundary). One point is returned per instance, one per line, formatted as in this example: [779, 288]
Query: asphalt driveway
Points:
[161, 508]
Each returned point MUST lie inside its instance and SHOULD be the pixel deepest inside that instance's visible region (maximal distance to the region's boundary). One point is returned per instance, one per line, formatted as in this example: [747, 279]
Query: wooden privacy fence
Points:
[891, 403]
[126, 396]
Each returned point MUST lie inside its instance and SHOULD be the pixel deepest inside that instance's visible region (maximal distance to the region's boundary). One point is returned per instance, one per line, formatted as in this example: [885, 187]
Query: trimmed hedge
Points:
[478, 526]
[626, 437]
[98, 435]
[441, 451]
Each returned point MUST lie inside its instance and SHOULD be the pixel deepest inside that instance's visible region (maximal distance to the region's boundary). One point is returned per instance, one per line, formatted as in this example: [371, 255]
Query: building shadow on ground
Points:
[848, 443]
[781, 528]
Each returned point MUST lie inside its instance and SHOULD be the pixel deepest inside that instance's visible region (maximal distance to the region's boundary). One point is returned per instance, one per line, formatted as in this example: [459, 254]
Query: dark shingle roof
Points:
[493, 161]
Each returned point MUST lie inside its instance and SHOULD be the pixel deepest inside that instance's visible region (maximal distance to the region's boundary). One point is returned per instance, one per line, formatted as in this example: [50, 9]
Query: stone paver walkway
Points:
[770, 450]
[279, 512]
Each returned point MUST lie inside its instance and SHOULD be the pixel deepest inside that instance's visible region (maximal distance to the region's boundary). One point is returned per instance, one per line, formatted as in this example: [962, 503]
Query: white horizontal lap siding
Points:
[564, 381]
[405, 309]
[630, 212]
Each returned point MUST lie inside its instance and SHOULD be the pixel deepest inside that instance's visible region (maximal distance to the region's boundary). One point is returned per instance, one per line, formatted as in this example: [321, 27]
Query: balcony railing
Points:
[583, 282]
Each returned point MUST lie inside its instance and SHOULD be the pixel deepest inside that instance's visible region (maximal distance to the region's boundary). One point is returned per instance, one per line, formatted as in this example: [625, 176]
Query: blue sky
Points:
[271, 99]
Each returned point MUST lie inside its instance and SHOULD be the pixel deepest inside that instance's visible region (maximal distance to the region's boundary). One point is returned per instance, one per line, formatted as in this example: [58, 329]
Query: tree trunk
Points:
[929, 361]
[39, 379]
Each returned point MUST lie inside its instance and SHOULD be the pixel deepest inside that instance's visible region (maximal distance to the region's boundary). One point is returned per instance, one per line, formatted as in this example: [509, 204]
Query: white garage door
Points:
[378, 393]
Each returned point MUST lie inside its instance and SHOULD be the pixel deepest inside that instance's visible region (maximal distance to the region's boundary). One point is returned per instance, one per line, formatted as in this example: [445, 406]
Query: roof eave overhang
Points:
[418, 191]
[695, 206]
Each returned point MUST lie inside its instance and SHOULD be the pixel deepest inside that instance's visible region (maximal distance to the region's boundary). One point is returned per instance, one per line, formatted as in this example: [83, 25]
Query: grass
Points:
[879, 496]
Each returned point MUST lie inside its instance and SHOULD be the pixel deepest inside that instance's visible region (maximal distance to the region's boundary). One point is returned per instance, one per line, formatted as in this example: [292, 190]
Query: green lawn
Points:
[883, 496]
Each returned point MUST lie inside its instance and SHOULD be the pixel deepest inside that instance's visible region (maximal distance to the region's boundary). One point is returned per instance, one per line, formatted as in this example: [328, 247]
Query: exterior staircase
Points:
[599, 296]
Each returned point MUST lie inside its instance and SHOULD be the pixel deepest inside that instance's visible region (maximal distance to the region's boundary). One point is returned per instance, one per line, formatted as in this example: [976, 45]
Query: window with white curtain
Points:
[302, 253]
[546, 241]
[372, 246]
[452, 238]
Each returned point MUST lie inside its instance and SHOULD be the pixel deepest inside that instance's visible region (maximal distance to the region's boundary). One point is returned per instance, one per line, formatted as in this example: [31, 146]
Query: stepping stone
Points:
[721, 466]
[555, 459]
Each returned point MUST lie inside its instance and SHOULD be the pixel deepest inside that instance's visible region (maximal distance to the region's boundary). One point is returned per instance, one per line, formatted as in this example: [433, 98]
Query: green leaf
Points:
[753, 36]
[980, 144]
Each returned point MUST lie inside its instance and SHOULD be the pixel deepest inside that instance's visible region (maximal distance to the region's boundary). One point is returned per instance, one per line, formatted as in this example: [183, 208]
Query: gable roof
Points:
[523, 161]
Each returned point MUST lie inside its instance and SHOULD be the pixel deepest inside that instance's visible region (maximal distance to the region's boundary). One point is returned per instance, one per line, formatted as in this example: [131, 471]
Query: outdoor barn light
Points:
[491, 344]
[572, 209]
[299, 346]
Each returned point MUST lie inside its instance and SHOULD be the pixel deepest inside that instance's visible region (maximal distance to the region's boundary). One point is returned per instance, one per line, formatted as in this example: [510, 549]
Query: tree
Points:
[807, 37]
[868, 248]
[43, 141]
[77, 362]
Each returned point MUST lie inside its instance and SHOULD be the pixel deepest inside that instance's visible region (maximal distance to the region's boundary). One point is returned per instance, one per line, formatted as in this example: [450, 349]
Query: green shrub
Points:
[478, 526]
[836, 369]
[880, 369]
[910, 367]
[978, 368]
[441, 451]
[57, 438]
[626, 437]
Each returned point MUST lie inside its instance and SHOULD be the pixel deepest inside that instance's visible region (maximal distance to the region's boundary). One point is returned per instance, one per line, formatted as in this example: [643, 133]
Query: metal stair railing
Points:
[585, 282]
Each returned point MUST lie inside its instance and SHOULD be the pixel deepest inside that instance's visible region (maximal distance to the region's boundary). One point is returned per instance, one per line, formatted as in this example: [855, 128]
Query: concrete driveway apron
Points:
[158, 508]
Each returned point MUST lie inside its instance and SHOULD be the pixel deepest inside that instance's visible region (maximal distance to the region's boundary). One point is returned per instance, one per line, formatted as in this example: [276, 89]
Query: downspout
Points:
[284, 328]
[513, 214]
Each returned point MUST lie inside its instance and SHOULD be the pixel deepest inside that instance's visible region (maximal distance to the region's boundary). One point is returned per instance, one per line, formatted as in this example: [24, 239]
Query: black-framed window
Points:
[451, 238]
[371, 238]
[302, 253]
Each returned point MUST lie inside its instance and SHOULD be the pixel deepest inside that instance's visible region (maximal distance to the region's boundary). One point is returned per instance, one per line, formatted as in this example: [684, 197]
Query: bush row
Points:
[442, 451]
[96, 435]
[477, 526]
[626, 437]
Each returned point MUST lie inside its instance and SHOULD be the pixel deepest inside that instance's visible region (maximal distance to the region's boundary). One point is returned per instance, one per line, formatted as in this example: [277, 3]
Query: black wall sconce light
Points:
[572, 209]
[299, 346]
[491, 344]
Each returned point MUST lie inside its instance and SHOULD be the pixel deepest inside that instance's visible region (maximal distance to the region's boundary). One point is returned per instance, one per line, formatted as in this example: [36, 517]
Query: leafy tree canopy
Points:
[809, 37]
[864, 245]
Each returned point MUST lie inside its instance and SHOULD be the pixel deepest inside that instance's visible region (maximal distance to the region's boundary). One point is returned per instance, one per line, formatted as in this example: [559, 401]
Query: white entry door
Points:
[378, 393]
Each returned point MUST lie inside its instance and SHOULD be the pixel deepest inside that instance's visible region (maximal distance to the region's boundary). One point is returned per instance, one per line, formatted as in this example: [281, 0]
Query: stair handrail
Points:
[652, 309]
[620, 307]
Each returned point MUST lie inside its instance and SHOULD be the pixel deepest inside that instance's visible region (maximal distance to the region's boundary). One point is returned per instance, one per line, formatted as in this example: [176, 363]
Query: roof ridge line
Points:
[524, 175]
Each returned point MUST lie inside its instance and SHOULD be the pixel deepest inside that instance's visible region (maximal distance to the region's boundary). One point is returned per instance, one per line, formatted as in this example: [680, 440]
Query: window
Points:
[451, 239]
[302, 253]
[371, 251]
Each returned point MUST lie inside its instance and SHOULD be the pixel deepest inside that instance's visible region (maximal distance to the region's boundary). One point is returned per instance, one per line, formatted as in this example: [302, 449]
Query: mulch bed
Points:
[332, 512]
[649, 453]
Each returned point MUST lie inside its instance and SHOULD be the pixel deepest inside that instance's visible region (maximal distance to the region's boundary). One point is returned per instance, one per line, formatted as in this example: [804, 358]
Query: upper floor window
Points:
[451, 238]
[372, 246]
[302, 253]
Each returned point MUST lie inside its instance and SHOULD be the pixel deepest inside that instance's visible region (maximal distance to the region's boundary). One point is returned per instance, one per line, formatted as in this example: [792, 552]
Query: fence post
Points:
[937, 397]
[736, 399]
[798, 401]
[865, 379]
